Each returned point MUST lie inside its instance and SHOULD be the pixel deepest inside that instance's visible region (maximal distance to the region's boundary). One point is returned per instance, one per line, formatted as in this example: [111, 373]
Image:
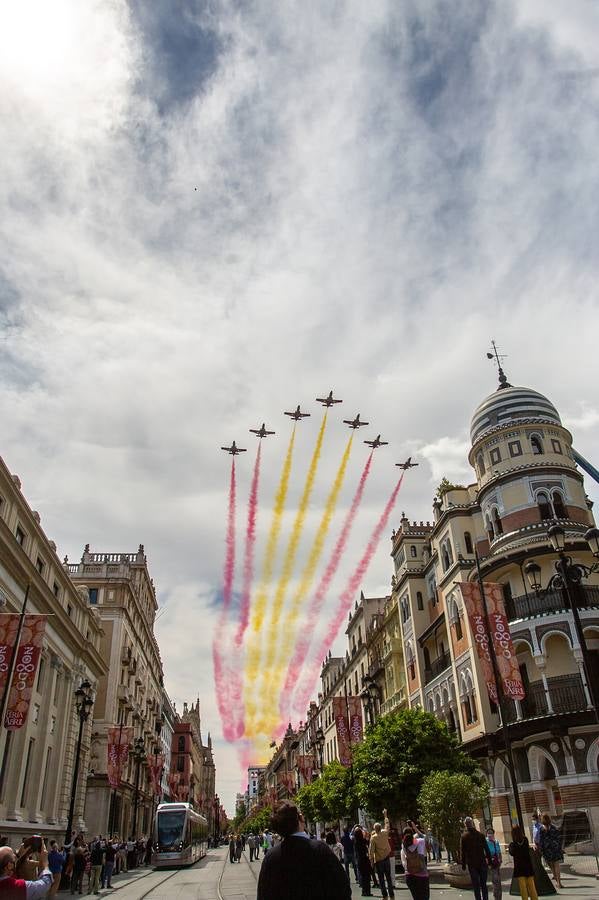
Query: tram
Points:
[180, 835]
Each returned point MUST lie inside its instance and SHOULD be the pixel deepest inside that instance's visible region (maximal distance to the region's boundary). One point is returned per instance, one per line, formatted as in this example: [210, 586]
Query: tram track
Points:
[223, 870]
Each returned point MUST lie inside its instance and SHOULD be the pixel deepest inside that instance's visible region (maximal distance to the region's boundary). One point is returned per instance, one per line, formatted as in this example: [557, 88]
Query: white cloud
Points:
[379, 192]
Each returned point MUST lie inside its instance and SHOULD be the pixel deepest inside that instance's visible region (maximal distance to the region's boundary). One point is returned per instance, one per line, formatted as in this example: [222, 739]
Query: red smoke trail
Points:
[221, 677]
[248, 562]
[316, 604]
[244, 610]
[356, 580]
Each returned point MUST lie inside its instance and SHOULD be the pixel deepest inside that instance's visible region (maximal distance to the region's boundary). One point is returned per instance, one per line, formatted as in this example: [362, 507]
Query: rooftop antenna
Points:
[497, 358]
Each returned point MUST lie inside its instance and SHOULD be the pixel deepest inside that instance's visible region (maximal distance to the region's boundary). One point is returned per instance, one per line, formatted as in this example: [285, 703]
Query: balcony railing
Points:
[566, 693]
[553, 601]
[437, 666]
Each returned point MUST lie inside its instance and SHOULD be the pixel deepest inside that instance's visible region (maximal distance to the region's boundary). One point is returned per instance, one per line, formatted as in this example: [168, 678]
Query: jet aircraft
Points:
[261, 432]
[297, 415]
[234, 450]
[377, 442]
[354, 423]
[328, 401]
[408, 464]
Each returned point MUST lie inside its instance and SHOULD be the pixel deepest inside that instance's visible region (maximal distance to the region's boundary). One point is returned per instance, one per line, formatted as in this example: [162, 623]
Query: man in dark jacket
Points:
[475, 854]
[300, 868]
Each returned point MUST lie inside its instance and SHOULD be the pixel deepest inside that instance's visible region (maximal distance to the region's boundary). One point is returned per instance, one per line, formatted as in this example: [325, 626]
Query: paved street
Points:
[214, 878]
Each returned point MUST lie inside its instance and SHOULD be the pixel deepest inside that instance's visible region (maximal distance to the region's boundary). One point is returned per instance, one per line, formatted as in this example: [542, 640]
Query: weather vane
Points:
[497, 358]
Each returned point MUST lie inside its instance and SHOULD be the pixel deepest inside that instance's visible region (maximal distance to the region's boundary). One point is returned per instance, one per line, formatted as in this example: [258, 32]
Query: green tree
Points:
[446, 486]
[258, 821]
[329, 797]
[397, 754]
[445, 799]
[240, 815]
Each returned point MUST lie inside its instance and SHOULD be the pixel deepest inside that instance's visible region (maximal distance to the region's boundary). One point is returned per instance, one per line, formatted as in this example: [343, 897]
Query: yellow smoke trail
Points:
[289, 627]
[252, 728]
[252, 664]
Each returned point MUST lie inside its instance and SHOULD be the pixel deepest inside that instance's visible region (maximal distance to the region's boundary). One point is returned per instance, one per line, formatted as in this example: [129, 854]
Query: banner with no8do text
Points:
[155, 769]
[119, 738]
[356, 729]
[28, 657]
[507, 663]
[342, 725]
[8, 634]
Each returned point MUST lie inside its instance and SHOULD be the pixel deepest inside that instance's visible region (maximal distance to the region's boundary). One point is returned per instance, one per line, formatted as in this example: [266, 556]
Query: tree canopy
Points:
[397, 754]
[445, 486]
[329, 797]
[445, 799]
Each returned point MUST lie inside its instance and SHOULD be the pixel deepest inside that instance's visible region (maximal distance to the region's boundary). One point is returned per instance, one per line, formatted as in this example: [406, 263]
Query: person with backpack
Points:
[496, 860]
[475, 856]
[413, 858]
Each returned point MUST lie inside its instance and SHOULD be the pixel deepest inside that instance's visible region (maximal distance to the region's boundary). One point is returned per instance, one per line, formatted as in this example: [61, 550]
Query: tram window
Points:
[171, 827]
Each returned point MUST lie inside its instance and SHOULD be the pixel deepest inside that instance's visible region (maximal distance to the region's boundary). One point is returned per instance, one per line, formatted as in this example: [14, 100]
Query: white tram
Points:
[180, 835]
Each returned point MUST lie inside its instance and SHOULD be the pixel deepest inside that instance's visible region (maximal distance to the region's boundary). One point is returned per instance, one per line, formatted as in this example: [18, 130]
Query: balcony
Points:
[567, 696]
[437, 666]
[393, 702]
[553, 601]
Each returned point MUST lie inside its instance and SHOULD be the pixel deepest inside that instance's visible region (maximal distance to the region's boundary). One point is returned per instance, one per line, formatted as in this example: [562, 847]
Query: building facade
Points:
[122, 593]
[526, 480]
[37, 760]
[202, 770]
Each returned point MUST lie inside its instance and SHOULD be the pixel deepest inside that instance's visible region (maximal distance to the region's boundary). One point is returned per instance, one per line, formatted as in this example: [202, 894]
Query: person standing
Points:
[380, 853]
[519, 849]
[96, 859]
[336, 846]
[413, 858]
[475, 856]
[251, 845]
[496, 860]
[362, 861]
[13, 887]
[258, 841]
[238, 848]
[78, 855]
[266, 841]
[300, 868]
[349, 857]
[550, 844]
[56, 861]
[231, 848]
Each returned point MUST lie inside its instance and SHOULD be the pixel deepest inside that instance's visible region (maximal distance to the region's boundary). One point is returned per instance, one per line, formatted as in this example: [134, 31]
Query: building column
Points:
[541, 663]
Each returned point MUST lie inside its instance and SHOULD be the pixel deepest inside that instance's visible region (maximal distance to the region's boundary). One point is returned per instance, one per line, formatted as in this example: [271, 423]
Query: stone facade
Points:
[37, 760]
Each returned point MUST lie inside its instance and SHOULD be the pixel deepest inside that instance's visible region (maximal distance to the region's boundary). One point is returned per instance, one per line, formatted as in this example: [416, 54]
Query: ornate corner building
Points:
[527, 479]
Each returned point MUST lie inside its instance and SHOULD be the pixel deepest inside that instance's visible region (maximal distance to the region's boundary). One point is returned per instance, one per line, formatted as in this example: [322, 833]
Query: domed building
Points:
[527, 481]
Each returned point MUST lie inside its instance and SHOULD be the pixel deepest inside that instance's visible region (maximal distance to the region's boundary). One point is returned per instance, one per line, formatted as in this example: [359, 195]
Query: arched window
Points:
[497, 522]
[536, 445]
[419, 600]
[490, 531]
[545, 510]
[468, 542]
[558, 506]
[413, 551]
[445, 558]
[181, 744]
[480, 462]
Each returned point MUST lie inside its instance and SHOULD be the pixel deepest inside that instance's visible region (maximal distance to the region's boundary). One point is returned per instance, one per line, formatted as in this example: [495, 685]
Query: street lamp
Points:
[216, 803]
[139, 755]
[84, 700]
[319, 744]
[369, 696]
[568, 576]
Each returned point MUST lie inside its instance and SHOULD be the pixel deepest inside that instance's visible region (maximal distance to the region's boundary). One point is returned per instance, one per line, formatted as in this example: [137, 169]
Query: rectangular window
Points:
[93, 595]
[56, 589]
[69, 611]
[40, 675]
[52, 724]
[515, 448]
[20, 535]
[57, 688]
[495, 456]
[27, 768]
[36, 713]
[5, 756]
[557, 447]
[46, 774]
[40, 565]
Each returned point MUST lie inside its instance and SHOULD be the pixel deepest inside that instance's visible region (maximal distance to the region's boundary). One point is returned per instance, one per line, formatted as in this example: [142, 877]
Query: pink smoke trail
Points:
[316, 604]
[244, 609]
[250, 543]
[222, 681]
[355, 580]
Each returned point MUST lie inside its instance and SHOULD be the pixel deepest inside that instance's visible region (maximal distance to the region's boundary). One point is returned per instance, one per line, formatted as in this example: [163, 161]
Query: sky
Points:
[212, 211]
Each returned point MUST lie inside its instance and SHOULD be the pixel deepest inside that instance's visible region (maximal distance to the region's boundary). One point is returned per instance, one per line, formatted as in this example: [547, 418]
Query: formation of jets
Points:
[297, 415]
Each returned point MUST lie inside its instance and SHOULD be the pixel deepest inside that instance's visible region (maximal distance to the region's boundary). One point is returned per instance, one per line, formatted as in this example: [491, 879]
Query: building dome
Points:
[508, 404]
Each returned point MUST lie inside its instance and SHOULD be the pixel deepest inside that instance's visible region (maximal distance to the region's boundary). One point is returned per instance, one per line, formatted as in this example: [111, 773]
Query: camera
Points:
[34, 842]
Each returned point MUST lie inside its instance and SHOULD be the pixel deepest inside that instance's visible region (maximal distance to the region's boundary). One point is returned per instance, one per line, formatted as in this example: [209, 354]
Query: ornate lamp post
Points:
[319, 744]
[371, 695]
[84, 700]
[139, 755]
[568, 576]
[216, 805]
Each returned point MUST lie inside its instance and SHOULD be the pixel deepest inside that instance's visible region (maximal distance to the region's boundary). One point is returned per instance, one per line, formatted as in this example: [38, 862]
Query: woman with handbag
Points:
[496, 860]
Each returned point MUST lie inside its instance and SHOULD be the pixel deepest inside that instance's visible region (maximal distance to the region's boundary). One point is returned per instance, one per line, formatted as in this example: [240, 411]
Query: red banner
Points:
[28, 655]
[155, 768]
[356, 729]
[342, 725]
[306, 767]
[500, 633]
[8, 634]
[507, 662]
[119, 738]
